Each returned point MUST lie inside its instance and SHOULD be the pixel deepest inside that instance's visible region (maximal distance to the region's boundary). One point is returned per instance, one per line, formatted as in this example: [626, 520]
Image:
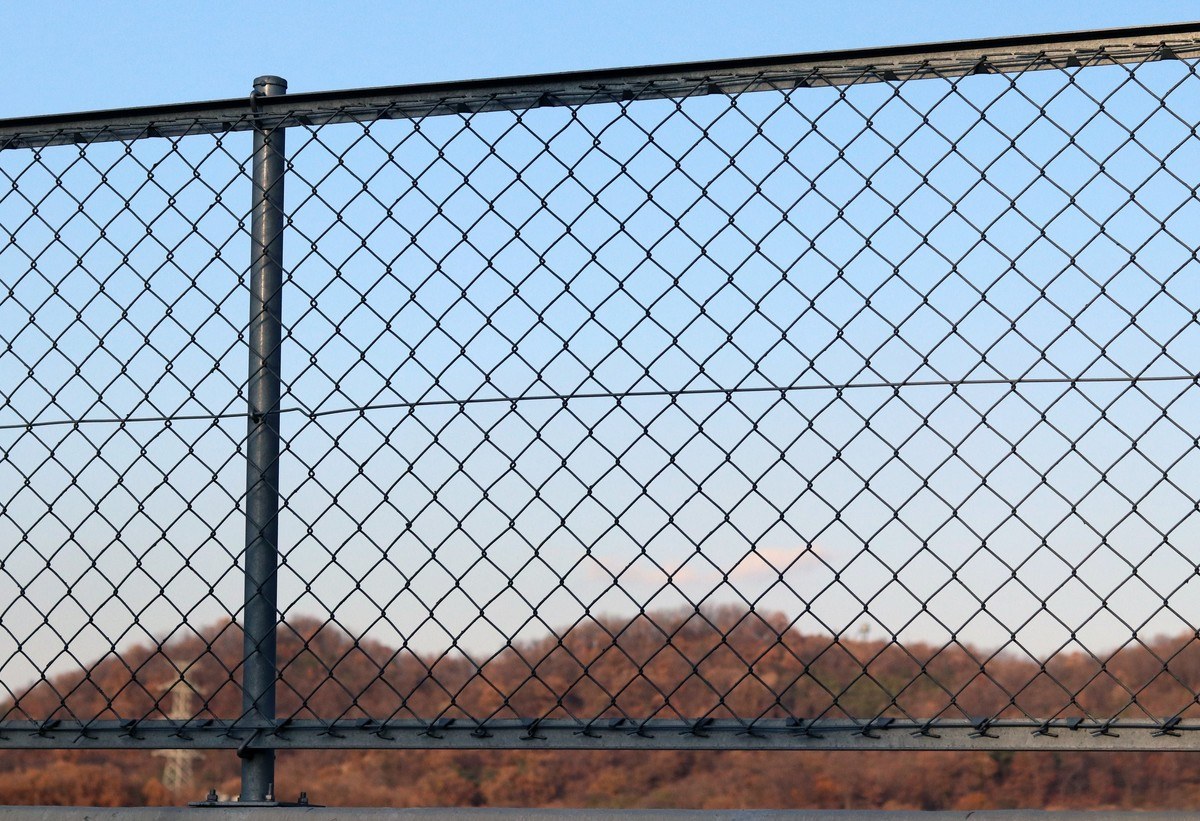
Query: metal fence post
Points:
[262, 446]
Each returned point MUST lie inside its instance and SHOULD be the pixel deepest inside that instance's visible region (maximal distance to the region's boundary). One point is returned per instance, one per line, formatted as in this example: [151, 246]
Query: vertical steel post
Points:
[261, 616]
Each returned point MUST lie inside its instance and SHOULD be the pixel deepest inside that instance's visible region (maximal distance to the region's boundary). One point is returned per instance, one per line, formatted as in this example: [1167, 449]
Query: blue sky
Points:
[59, 56]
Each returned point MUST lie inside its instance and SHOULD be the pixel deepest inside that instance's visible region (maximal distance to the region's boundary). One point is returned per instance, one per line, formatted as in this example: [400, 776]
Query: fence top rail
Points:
[823, 68]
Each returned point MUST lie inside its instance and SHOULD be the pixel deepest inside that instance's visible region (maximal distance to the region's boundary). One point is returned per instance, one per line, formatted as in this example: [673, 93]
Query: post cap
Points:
[269, 84]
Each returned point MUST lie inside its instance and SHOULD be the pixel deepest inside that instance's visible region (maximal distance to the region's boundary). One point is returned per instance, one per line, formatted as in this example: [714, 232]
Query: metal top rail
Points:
[823, 68]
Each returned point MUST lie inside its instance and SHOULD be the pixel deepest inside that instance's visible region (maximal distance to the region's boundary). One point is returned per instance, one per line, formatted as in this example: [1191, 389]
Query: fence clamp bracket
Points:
[213, 801]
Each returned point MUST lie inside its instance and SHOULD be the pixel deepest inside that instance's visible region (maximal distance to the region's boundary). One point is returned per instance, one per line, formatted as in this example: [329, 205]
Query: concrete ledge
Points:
[475, 814]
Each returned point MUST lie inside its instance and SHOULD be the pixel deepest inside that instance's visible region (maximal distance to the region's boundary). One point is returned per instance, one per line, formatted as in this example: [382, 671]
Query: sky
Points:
[143, 53]
[164, 52]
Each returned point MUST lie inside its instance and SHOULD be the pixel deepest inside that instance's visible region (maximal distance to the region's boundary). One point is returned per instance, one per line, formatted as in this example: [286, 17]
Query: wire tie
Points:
[47, 726]
[926, 731]
[279, 729]
[531, 729]
[868, 729]
[439, 724]
[331, 730]
[982, 726]
[1168, 728]
[1044, 730]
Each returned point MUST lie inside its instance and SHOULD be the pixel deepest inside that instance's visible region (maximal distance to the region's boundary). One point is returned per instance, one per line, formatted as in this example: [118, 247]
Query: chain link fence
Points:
[834, 401]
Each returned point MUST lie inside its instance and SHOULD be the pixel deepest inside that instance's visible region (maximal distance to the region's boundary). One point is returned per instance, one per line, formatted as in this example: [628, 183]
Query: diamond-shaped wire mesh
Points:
[123, 417]
[789, 401]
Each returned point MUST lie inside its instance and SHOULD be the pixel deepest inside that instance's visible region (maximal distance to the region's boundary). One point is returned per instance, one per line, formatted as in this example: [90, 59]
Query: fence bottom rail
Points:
[610, 734]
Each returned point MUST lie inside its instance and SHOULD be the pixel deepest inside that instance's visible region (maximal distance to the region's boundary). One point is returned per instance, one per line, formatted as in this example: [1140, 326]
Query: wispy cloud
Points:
[687, 568]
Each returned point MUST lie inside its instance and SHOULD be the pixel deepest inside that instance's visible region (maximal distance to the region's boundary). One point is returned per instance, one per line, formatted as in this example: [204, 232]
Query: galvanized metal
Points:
[261, 615]
[652, 734]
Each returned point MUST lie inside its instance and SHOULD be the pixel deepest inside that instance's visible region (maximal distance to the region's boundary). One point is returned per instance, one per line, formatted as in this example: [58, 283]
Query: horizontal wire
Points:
[621, 395]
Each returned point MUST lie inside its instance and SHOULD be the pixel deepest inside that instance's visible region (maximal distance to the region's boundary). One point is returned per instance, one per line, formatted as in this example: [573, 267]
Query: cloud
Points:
[761, 563]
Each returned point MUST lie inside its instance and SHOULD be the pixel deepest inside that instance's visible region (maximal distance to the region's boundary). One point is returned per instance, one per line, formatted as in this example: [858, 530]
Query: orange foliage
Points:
[678, 653]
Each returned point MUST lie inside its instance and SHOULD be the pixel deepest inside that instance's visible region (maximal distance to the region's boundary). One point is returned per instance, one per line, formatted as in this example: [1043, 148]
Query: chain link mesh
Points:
[789, 401]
